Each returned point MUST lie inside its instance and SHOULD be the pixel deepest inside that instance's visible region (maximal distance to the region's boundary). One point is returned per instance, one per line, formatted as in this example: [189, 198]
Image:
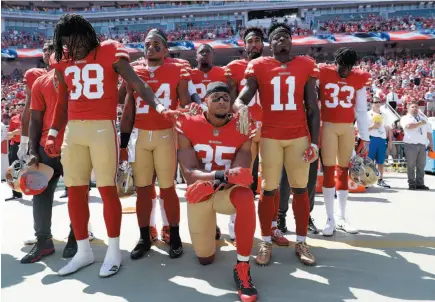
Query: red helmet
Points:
[431, 154]
[29, 180]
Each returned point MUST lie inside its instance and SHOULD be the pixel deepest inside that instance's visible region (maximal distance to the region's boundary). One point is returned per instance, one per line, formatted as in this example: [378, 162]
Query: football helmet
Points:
[362, 170]
[124, 180]
[30, 180]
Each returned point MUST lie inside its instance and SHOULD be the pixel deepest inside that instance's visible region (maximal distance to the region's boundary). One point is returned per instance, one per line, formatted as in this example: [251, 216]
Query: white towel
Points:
[132, 145]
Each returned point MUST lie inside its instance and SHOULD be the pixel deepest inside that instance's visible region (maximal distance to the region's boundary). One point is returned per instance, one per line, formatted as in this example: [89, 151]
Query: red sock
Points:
[144, 205]
[243, 200]
[329, 176]
[301, 211]
[171, 204]
[266, 207]
[111, 210]
[78, 208]
[342, 179]
[276, 199]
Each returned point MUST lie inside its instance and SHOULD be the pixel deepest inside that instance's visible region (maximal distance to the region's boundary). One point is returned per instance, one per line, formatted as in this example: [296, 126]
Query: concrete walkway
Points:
[392, 259]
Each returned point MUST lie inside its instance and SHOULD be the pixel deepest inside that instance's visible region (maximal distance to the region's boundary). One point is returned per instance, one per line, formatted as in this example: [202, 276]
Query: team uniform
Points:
[201, 79]
[92, 112]
[153, 143]
[32, 74]
[215, 149]
[284, 139]
[342, 100]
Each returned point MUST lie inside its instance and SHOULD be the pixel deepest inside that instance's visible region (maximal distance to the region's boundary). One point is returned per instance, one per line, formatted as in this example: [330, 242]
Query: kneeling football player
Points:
[216, 159]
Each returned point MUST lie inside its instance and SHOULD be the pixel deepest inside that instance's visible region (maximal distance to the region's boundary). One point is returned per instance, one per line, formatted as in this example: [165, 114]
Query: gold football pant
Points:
[276, 153]
[155, 150]
[86, 145]
[338, 142]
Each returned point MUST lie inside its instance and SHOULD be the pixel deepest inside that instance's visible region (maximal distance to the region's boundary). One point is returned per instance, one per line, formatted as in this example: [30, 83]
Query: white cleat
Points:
[111, 264]
[80, 260]
[346, 226]
[329, 228]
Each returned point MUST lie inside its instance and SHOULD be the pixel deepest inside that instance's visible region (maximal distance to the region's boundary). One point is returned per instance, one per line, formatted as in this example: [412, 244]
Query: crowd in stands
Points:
[398, 81]
[375, 23]
[210, 30]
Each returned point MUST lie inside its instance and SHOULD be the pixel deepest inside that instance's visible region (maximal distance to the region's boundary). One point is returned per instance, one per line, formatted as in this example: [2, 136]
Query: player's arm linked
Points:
[127, 122]
[312, 110]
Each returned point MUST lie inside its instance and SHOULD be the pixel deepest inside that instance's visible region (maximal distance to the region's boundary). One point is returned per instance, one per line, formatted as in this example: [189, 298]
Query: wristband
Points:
[53, 132]
[218, 184]
[125, 137]
[24, 139]
[220, 175]
[160, 108]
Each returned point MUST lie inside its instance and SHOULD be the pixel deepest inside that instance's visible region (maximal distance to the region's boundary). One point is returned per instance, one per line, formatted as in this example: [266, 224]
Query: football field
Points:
[392, 259]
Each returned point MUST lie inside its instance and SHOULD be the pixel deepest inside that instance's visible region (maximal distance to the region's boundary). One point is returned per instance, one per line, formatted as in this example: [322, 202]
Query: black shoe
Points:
[383, 184]
[422, 187]
[242, 277]
[42, 248]
[281, 224]
[175, 245]
[412, 187]
[16, 195]
[70, 249]
[64, 195]
[140, 249]
[218, 233]
[144, 245]
[311, 226]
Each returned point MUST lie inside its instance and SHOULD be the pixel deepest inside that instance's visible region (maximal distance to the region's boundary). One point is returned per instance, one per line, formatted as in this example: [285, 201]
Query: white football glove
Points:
[24, 147]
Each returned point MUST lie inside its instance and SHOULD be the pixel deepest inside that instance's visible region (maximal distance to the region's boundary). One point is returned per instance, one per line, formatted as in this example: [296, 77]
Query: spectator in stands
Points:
[398, 134]
[417, 134]
[430, 101]
[378, 139]
[392, 98]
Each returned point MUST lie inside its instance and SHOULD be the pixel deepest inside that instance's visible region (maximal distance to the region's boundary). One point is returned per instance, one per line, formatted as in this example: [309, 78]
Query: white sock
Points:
[274, 224]
[163, 213]
[153, 213]
[82, 258]
[342, 201]
[112, 261]
[267, 238]
[328, 196]
[300, 238]
[242, 258]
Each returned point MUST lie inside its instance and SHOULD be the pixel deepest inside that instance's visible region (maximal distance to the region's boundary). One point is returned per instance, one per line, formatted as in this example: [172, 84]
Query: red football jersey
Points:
[236, 71]
[44, 98]
[281, 88]
[164, 82]
[215, 148]
[338, 95]
[143, 61]
[93, 83]
[32, 74]
[202, 79]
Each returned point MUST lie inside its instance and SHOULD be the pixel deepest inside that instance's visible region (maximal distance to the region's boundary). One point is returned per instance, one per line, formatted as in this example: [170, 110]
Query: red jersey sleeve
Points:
[181, 125]
[184, 74]
[32, 74]
[312, 68]
[115, 51]
[37, 101]
[250, 69]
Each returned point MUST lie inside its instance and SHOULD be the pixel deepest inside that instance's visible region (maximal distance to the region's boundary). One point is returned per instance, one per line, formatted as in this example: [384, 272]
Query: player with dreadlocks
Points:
[235, 71]
[88, 71]
[343, 98]
[289, 133]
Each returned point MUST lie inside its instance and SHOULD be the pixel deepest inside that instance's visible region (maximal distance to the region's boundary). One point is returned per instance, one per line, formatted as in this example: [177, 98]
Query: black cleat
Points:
[44, 247]
[281, 224]
[312, 227]
[70, 249]
[218, 233]
[175, 245]
[140, 249]
[242, 276]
